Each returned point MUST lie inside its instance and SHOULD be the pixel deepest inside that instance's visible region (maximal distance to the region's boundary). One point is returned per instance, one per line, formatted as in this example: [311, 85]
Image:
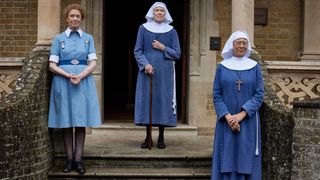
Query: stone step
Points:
[156, 160]
[120, 157]
[133, 173]
[123, 129]
[112, 149]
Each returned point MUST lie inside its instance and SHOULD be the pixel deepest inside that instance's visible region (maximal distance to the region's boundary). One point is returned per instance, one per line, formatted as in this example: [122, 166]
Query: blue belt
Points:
[73, 62]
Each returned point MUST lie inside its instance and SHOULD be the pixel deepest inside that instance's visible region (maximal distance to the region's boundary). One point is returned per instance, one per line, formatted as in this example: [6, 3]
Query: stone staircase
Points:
[119, 156]
[125, 128]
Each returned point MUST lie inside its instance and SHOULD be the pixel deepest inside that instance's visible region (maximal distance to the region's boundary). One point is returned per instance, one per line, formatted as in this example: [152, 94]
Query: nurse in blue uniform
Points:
[156, 50]
[238, 94]
[73, 98]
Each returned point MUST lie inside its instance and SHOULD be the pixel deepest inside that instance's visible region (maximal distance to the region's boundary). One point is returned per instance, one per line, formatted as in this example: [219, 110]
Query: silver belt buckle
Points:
[74, 61]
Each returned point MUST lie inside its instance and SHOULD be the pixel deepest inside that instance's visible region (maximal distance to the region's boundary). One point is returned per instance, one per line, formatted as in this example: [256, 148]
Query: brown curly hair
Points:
[76, 7]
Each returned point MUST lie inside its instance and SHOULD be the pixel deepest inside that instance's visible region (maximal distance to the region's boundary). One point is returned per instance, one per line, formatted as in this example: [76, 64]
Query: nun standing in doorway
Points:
[238, 94]
[156, 50]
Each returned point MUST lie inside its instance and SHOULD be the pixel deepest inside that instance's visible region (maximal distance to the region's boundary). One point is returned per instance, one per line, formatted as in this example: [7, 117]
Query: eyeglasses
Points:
[239, 42]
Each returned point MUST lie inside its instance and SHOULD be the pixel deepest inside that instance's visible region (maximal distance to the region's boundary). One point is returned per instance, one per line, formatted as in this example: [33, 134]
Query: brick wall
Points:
[25, 143]
[279, 40]
[223, 16]
[18, 27]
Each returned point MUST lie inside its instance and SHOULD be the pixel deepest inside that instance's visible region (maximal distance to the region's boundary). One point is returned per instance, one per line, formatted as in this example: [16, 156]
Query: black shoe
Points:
[68, 166]
[161, 144]
[80, 168]
[145, 144]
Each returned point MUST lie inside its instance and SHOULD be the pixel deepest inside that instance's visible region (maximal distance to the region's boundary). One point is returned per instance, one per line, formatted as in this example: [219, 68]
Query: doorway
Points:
[120, 68]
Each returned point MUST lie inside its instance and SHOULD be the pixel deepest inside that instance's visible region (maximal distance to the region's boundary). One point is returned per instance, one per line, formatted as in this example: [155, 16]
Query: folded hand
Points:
[75, 79]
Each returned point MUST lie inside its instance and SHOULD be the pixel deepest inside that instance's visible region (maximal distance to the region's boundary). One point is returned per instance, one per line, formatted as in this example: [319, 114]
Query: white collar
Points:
[235, 63]
[157, 27]
[68, 31]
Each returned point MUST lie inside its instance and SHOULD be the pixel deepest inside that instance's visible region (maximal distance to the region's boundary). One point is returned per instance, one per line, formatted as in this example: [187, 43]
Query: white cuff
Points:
[54, 58]
[92, 56]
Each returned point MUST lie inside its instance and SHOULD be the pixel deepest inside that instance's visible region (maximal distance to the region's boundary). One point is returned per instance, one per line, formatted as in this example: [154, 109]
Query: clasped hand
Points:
[74, 79]
[234, 120]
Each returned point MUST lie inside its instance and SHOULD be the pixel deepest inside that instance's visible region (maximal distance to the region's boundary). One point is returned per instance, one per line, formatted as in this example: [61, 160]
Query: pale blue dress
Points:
[73, 105]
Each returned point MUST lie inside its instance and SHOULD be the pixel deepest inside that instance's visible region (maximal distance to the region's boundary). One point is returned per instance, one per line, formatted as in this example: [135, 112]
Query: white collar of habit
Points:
[235, 63]
[157, 27]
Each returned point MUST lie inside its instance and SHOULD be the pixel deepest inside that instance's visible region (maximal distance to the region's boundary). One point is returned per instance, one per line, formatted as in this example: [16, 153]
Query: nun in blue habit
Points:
[156, 50]
[238, 93]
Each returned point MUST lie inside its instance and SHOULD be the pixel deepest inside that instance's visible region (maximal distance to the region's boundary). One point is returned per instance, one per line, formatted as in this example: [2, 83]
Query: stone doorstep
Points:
[134, 172]
[141, 162]
[128, 145]
[123, 129]
[106, 150]
[120, 157]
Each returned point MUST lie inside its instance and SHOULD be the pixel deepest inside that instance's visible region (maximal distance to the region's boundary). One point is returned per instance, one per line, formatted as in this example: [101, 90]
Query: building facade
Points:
[282, 33]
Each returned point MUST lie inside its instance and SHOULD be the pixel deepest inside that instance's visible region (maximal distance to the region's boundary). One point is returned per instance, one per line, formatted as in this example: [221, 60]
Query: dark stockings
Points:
[148, 133]
[68, 142]
[147, 143]
[80, 134]
[161, 144]
[161, 133]
[79, 144]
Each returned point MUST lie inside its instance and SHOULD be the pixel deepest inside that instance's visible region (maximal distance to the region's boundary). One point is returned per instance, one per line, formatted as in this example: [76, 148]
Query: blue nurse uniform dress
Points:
[73, 105]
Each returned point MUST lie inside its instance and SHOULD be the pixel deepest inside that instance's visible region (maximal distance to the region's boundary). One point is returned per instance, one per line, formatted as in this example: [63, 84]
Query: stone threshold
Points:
[134, 173]
[124, 128]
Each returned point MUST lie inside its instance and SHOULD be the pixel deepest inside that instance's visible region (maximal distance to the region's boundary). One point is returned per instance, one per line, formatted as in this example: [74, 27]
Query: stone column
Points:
[243, 17]
[202, 66]
[48, 22]
[311, 43]
[48, 27]
[93, 24]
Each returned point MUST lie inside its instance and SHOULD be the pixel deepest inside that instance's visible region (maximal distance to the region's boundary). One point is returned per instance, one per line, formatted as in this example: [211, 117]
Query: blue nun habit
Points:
[163, 89]
[237, 155]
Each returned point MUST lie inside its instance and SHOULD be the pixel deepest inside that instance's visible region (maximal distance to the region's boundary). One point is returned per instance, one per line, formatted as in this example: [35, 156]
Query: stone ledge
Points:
[122, 129]
[11, 61]
[293, 65]
[134, 172]
[309, 103]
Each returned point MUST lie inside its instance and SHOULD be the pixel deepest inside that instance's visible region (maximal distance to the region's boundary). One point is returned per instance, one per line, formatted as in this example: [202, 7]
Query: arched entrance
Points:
[119, 66]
